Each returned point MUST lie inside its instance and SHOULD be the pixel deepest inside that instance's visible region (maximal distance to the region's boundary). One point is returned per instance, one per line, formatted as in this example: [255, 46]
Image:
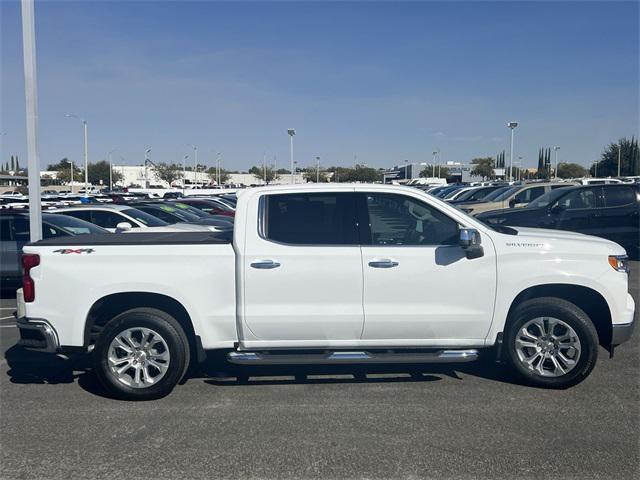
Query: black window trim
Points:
[363, 219]
[262, 219]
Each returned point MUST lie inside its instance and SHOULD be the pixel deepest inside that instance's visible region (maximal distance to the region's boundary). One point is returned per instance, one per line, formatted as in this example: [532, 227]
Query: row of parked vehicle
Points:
[609, 210]
[118, 213]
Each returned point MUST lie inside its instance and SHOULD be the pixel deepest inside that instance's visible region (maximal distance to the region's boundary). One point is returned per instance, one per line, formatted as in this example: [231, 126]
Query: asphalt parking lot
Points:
[472, 421]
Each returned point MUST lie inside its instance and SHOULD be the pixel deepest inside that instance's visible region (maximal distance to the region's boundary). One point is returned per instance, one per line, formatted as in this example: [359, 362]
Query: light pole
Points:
[264, 166]
[433, 167]
[184, 171]
[619, 156]
[317, 169]
[146, 169]
[218, 169]
[295, 168]
[71, 163]
[86, 151]
[291, 132]
[195, 164]
[110, 169]
[512, 126]
[555, 172]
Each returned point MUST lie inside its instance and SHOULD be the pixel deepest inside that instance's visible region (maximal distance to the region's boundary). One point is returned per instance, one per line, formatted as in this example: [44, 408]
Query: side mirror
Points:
[470, 241]
[123, 227]
[512, 203]
[557, 208]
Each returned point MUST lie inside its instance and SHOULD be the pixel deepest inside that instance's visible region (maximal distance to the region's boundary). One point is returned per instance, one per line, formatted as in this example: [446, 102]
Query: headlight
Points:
[619, 263]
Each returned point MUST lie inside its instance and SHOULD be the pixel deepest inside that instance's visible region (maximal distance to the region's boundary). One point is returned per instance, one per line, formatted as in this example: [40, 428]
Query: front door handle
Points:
[383, 263]
[265, 264]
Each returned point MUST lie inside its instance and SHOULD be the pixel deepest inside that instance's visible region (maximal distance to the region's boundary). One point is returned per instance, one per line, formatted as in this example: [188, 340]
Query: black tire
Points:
[568, 313]
[172, 334]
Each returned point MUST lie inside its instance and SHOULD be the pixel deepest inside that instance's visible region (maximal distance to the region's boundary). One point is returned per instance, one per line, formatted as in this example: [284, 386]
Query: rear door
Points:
[419, 288]
[303, 271]
[579, 211]
[620, 215]
[9, 251]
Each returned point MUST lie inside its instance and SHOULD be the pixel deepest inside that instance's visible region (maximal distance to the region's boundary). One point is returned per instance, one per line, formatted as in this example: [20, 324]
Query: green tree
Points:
[359, 174]
[63, 169]
[168, 172]
[629, 152]
[571, 170]
[310, 174]
[224, 175]
[483, 167]
[267, 174]
[17, 165]
[100, 171]
[437, 171]
[13, 165]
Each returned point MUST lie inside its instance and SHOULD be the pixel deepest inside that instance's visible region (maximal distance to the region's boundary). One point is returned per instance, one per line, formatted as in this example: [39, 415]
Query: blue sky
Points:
[378, 81]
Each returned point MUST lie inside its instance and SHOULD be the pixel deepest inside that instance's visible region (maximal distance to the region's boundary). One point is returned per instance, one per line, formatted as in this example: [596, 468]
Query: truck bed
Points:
[152, 238]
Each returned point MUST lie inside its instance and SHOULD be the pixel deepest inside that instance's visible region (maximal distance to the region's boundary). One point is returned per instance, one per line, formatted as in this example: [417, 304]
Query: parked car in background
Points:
[517, 196]
[14, 234]
[113, 217]
[475, 194]
[173, 213]
[599, 181]
[208, 205]
[610, 211]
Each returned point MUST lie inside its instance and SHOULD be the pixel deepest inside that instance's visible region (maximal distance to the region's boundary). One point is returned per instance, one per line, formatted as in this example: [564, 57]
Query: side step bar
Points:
[342, 357]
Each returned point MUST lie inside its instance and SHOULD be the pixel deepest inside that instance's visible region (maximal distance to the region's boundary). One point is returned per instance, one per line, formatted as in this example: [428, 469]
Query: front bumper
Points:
[622, 332]
[37, 334]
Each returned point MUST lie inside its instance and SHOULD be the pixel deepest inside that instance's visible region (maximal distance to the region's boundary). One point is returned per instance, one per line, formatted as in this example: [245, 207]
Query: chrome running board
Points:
[341, 357]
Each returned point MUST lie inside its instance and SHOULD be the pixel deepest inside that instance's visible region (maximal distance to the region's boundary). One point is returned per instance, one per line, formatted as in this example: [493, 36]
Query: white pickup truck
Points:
[328, 274]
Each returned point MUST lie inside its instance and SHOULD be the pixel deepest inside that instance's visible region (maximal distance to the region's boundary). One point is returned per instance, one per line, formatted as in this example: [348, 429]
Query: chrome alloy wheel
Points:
[138, 357]
[548, 346]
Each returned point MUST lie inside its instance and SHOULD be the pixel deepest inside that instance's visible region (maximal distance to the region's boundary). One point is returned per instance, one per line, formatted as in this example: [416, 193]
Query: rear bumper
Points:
[37, 334]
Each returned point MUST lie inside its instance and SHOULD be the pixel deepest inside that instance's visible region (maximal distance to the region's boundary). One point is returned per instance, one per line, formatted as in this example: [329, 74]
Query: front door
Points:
[303, 272]
[419, 288]
[578, 211]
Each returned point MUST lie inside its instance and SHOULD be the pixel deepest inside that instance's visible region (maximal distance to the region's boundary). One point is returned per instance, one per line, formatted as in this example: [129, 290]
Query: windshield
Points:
[144, 218]
[505, 194]
[189, 209]
[547, 199]
[73, 225]
[492, 196]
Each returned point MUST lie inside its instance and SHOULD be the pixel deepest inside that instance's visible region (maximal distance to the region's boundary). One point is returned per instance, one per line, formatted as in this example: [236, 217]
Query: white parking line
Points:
[7, 318]
[8, 326]
[7, 308]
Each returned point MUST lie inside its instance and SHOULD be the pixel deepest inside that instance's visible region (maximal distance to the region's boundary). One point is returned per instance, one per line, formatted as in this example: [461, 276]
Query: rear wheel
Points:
[141, 354]
[551, 343]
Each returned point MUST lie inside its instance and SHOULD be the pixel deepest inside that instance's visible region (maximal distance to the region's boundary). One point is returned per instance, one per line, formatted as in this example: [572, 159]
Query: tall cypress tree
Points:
[12, 163]
[17, 164]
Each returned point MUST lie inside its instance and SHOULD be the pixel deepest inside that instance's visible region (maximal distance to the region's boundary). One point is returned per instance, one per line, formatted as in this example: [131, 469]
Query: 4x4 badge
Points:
[65, 251]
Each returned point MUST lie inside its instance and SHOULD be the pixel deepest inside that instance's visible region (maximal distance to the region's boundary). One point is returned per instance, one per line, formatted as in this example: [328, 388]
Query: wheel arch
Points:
[587, 299]
[107, 307]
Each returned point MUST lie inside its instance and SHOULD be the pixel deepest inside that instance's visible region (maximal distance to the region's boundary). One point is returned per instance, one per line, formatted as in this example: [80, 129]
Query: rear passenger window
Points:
[82, 215]
[619, 196]
[529, 194]
[310, 219]
[106, 219]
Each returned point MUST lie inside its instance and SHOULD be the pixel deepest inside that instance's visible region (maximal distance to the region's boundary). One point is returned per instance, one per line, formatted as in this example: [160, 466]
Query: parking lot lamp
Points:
[146, 169]
[86, 150]
[512, 126]
[195, 164]
[291, 132]
[619, 156]
[110, 169]
[555, 172]
[184, 170]
[317, 169]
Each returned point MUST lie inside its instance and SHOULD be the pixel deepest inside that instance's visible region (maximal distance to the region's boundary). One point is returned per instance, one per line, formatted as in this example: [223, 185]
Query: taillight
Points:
[29, 260]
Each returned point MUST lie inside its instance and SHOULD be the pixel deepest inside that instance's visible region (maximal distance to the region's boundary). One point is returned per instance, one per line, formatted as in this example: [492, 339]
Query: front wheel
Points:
[551, 343]
[141, 354]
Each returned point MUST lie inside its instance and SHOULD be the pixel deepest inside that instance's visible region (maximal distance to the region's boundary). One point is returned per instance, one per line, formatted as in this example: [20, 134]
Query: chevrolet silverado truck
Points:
[328, 274]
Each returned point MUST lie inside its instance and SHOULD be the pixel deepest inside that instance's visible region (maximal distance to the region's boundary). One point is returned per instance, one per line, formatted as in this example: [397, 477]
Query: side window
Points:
[400, 220]
[619, 196]
[6, 229]
[582, 198]
[529, 194]
[106, 219]
[21, 229]
[49, 231]
[310, 218]
[81, 214]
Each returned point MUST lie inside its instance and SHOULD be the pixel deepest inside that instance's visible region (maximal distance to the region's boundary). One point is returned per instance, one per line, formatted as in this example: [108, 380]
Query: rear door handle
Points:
[265, 264]
[383, 263]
